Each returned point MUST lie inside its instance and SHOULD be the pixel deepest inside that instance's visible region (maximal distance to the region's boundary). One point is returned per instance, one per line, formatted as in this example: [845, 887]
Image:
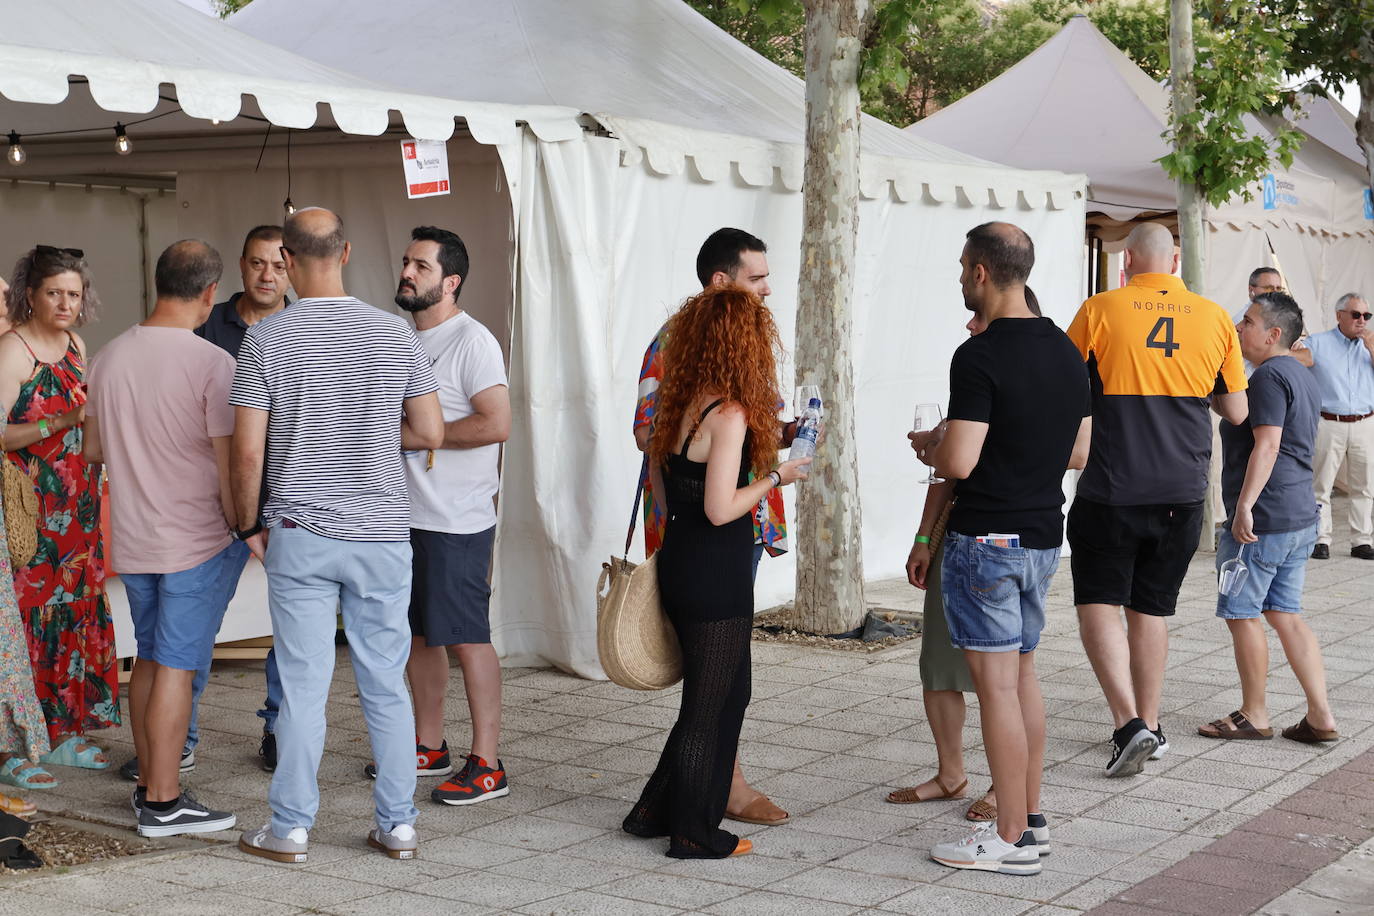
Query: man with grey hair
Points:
[1156, 353]
[1266, 485]
[160, 420]
[1343, 361]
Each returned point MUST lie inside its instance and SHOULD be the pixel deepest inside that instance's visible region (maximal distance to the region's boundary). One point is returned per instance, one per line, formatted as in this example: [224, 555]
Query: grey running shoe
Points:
[1132, 744]
[399, 842]
[130, 768]
[984, 850]
[187, 816]
[261, 842]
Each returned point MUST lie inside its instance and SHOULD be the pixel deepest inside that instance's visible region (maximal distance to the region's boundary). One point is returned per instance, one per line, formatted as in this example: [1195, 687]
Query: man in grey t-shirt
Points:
[1266, 485]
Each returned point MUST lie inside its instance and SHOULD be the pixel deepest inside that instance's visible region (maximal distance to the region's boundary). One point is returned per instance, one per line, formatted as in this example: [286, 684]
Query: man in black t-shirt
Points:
[1019, 416]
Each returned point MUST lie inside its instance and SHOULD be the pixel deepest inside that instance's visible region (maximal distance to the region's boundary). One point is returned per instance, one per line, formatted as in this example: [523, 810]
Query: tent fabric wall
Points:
[607, 252]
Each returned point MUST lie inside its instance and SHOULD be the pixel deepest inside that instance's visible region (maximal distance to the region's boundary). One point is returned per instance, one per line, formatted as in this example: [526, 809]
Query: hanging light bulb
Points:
[289, 207]
[16, 155]
[123, 145]
[214, 122]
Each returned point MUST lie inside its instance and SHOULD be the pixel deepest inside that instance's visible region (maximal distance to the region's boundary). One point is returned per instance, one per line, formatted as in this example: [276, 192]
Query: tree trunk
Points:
[830, 578]
[1364, 123]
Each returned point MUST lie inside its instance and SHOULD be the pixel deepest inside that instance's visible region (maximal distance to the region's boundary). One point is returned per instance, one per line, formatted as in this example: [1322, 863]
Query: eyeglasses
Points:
[1360, 316]
[50, 251]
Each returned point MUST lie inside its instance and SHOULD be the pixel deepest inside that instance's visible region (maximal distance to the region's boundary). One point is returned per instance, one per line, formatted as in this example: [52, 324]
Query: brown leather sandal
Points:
[761, 811]
[982, 809]
[912, 794]
[1305, 733]
[1234, 727]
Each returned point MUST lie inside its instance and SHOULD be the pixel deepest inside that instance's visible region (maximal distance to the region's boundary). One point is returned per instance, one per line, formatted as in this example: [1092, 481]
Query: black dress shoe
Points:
[1321, 552]
[1362, 551]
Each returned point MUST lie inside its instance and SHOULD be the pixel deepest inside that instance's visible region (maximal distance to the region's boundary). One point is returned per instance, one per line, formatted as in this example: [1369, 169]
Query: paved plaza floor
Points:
[1213, 828]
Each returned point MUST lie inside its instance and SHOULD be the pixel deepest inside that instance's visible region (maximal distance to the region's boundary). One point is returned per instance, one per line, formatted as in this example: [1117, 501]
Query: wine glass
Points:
[928, 416]
[1233, 573]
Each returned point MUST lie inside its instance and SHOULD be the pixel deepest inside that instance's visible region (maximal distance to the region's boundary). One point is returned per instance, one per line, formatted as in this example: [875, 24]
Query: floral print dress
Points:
[23, 731]
[61, 593]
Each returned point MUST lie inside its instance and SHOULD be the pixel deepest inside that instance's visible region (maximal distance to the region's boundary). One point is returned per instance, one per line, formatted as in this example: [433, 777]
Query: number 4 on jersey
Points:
[1161, 337]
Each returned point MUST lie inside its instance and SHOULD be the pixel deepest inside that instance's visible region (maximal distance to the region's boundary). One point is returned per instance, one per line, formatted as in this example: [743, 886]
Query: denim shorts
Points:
[176, 615]
[1278, 566]
[995, 596]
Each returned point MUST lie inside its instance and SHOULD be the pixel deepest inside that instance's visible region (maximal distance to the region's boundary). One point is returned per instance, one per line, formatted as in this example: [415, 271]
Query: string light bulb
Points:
[16, 154]
[289, 207]
[123, 145]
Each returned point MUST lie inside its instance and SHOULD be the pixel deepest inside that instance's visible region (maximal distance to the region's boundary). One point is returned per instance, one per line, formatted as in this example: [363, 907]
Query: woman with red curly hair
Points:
[717, 421]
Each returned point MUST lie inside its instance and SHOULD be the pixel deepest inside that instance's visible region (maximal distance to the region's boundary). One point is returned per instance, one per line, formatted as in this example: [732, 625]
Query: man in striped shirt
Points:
[326, 395]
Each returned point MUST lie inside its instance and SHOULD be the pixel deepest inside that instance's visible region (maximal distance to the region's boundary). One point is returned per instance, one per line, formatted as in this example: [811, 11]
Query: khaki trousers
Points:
[1353, 444]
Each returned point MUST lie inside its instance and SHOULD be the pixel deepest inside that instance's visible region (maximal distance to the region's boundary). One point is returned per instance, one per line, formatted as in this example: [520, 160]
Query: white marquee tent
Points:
[602, 140]
[1079, 104]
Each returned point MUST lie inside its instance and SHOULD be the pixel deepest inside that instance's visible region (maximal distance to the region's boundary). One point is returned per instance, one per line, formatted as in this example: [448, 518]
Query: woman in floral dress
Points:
[23, 733]
[61, 592]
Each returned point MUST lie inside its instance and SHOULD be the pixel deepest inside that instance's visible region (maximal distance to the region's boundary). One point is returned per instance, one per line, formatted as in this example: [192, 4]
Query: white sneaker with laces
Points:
[984, 850]
[400, 842]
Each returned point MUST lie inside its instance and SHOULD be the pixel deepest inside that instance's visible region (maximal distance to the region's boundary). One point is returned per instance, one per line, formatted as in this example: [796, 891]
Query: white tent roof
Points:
[1326, 120]
[658, 74]
[125, 51]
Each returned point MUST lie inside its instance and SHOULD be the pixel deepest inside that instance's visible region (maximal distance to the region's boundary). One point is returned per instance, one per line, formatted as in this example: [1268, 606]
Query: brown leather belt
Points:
[1346, 417]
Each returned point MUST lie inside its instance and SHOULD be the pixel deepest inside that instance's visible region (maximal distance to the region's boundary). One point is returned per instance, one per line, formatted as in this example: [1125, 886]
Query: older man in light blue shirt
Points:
[1343, 361]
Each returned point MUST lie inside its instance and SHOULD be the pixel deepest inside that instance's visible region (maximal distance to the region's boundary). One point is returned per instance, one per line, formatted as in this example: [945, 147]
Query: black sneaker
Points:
[1321, 552]
[130, 768]
[139, 797]
[267, 751]
[1163, 748]
[476, 782]
[187, 816]
[1132, 744]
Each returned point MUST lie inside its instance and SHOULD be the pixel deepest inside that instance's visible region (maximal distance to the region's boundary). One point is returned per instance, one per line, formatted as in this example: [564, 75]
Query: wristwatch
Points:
[247, 533]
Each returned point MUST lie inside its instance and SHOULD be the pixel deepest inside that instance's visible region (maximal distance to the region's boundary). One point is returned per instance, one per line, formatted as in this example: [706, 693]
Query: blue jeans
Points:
[310, 578]
[272, 705]
[995, 596]
[1277, 565]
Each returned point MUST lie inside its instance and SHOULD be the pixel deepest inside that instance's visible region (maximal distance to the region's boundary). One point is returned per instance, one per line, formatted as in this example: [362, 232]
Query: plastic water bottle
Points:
[808, 429]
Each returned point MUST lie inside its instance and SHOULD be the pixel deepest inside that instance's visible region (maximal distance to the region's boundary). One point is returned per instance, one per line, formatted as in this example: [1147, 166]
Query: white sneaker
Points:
[261, 842]
[399, 842]
[1163, 744]
[984, 850]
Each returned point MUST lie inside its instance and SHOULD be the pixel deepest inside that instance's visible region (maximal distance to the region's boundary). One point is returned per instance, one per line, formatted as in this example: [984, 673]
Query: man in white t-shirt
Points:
[453, 519]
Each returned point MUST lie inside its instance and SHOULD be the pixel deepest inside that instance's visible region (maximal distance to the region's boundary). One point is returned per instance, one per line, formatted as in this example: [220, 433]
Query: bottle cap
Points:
[814, 402]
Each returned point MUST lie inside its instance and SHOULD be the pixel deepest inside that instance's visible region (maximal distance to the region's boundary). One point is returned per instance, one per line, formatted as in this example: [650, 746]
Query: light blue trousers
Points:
[310, 578]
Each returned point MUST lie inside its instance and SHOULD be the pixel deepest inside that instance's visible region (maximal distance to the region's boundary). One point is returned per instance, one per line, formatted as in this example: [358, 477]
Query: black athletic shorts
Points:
[1132, 556]
[449, 592]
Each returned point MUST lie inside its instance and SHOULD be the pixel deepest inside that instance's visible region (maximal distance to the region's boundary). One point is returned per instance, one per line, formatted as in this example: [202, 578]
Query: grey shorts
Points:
[449, 592]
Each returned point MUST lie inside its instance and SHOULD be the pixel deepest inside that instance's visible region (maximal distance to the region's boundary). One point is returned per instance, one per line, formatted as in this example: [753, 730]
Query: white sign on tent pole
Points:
[426, 167]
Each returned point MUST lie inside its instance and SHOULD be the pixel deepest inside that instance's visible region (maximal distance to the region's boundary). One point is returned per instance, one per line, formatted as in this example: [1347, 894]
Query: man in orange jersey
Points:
[1157, 354]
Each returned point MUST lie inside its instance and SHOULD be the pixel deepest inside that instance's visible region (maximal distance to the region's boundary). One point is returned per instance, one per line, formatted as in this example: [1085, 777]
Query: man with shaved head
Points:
[1158, 356]
[326, 394]
[1019, 415]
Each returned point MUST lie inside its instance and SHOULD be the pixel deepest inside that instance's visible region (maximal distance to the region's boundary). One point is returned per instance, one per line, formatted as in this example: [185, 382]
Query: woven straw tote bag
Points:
[21, 514]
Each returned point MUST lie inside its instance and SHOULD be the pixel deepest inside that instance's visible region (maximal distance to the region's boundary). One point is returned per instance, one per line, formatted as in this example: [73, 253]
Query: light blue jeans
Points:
[310, 579]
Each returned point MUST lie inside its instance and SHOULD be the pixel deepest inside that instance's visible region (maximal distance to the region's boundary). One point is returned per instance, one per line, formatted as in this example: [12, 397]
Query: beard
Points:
[418, 301]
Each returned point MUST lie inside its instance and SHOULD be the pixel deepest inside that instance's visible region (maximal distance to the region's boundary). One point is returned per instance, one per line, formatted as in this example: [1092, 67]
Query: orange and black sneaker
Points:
[475, 782]
[428, 762]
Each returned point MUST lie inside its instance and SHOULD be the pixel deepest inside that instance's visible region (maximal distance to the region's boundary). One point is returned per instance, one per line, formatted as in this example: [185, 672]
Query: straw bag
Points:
[937, 534]
[21, 514]
[637, 644]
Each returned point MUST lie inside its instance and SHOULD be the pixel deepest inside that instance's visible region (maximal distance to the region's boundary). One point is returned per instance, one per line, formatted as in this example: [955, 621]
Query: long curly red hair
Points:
[721, 342]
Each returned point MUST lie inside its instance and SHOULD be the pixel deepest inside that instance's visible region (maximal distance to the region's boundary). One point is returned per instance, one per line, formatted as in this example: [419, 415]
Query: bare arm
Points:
[957, 452]
[423, 424]
[489, 423]
[90, 442]
[642, 437]
[1233, 407]
[15, 366]
[724, 502]
[918, 561]
[1302, 355]
[245, 464]
[1257, 471]
[223, 446]
[1082, 444]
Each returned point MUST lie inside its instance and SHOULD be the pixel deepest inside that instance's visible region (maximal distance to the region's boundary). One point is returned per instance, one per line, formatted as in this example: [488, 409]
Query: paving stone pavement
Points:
[828, 734]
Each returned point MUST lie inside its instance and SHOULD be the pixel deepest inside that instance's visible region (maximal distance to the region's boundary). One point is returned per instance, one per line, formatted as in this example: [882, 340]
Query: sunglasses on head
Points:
[50, 251]
[1360, 316]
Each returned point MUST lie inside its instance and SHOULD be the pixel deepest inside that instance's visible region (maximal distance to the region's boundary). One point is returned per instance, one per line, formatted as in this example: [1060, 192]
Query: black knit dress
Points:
[705, 577]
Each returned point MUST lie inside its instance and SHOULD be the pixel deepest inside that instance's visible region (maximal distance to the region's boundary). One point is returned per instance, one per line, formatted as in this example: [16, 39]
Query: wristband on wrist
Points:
[777, 478]
[43, 429]
[921, 539]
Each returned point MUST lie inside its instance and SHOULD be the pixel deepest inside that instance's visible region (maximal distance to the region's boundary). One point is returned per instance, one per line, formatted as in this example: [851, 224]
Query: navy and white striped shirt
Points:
[333, 374]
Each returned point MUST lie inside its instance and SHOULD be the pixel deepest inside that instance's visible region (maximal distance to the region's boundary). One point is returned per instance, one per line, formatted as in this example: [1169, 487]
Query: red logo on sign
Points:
[443, 185]
[426, 187]
[409, 150]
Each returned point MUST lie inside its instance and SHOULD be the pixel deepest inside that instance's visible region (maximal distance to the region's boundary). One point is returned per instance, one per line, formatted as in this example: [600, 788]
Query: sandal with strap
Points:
[912, 794]
[67, 754]
[1305, 733]
[19, 807]
[761, 811]
[21, 773]
[981, 810]
[1235, 727]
